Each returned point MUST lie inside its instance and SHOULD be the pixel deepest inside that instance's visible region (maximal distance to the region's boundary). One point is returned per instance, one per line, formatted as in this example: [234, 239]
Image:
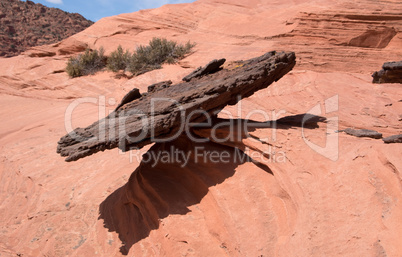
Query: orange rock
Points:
[298, 203]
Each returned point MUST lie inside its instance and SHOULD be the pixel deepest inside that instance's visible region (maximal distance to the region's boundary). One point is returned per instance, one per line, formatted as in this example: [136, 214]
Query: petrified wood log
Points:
[393, 139]
[212, 67]
[363, 133]
[164, 113]
[129, 97]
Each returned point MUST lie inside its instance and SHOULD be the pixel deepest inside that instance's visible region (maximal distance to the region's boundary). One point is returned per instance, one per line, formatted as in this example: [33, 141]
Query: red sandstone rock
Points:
[307, 205]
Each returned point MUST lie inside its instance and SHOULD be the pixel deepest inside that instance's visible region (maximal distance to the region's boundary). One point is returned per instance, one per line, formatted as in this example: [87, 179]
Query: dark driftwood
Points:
[391, 72]
[393, 139]
[363, 133]
[135, 124]
[212, 67]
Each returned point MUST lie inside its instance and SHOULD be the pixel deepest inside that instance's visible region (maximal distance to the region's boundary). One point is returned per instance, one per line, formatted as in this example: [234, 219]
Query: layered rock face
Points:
[297, 188]
[25, 24]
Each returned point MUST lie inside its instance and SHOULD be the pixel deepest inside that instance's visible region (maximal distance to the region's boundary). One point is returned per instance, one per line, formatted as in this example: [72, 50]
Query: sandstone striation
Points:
[391, 72]
[162, 113]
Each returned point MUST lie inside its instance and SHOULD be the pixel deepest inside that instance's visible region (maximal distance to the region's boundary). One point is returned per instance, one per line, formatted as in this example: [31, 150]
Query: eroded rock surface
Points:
[159, 86]
[162, 113]
[129, 97]
[212, 67]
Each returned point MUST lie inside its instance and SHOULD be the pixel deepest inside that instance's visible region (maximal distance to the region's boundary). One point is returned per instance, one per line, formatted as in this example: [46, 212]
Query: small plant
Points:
[159, 51]
[87, 63]
[182, 50]
[118, 60]
[144, 59]
[141, 61]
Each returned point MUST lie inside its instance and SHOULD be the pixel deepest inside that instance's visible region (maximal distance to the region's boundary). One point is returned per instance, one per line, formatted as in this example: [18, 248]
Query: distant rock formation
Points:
[391, 72]
[159, 114]
[26, 24]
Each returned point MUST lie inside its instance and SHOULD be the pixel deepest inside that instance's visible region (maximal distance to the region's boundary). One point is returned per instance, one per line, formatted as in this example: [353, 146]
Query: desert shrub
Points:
[144, 59]
[74, 67]
[182, 50]
[118, 60]
[159, 51]
[87, 63]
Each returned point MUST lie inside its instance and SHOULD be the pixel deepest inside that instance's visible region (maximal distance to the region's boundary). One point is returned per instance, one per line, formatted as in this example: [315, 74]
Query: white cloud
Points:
[55, 1]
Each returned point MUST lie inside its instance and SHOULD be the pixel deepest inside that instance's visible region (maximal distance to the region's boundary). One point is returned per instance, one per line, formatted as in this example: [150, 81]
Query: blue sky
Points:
[96, 9]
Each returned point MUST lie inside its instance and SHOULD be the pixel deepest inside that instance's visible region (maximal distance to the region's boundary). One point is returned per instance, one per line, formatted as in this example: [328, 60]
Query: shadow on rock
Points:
[171, 177]
[231, 132]
[175, 175]
[305, 120]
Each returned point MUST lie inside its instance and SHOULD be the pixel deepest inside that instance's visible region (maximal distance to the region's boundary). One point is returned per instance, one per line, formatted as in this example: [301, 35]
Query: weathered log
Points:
[164, 113]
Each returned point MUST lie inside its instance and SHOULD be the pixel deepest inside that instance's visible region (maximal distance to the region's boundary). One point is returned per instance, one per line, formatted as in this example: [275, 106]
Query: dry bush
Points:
[118, 60]
[87, 63]
[159, 51]
[144, 59]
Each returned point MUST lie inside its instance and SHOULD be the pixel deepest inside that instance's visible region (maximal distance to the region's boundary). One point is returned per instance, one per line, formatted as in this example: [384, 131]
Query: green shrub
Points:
[141, 61]
[144, 59]
[74, 67]
[159, 51]
[87, 63]
[118, 60]
[182, 50]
